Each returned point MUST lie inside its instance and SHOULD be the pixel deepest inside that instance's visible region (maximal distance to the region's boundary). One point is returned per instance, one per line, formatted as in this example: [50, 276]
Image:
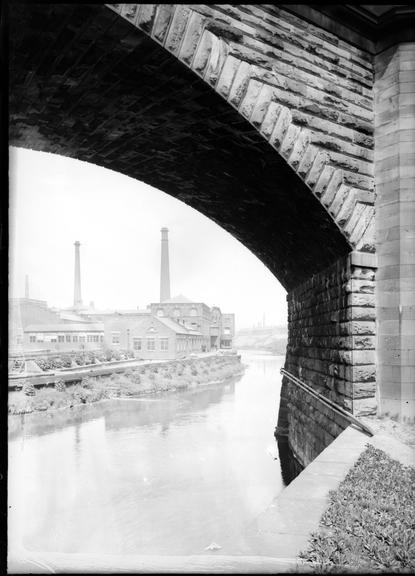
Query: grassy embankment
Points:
[370, 523]
[147, 379]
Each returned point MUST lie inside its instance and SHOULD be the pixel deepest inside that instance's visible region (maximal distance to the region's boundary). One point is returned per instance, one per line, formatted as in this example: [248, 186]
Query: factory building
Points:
[173, 327]
[217, 329]
[64, 337]
[149, 337]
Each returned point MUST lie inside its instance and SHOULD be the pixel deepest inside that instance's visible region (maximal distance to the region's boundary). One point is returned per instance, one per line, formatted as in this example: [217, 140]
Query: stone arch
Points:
[264, 126]
[85, 83]
[308, 94]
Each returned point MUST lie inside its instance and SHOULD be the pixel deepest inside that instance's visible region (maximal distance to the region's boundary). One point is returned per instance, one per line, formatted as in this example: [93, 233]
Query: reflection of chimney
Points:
[77, 299]
[164, 271]
[26, 287]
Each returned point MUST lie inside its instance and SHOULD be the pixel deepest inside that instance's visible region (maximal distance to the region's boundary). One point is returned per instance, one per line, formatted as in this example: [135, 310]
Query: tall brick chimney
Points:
[164, 271]
[77, 298]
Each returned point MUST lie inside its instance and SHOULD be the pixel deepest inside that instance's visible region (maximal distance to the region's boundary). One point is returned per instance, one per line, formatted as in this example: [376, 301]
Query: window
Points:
[193, 311]
[115, 337]
[176, 312]
[75, 338]
[151, 344]
[32, 338]
[68, 338]
[101, 338]
[96, 338]
[137, 343]
[61, 338]
[227, 331]
[160, 312]
[81, 338]
[164, 343]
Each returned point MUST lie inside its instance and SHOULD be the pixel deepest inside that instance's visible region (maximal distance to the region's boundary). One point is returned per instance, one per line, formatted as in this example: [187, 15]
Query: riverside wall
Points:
[331, 346]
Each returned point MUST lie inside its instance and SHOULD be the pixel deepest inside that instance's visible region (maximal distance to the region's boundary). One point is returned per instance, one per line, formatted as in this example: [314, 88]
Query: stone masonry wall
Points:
[331, 346]
[395, 228]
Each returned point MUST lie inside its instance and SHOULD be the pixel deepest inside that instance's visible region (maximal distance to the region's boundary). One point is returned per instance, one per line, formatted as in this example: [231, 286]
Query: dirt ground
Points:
[402, 431]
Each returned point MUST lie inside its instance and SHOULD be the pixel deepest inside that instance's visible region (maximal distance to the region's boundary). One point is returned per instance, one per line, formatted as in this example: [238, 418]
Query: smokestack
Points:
[26, 287]
[77, 298]
[164, 271]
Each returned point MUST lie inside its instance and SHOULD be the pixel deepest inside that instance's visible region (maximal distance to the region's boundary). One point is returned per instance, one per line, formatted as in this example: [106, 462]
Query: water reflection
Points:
[290, 467]
[162, 475]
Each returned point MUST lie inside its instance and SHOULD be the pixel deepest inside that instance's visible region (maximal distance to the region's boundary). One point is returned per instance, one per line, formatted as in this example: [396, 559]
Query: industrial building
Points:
[173, 327]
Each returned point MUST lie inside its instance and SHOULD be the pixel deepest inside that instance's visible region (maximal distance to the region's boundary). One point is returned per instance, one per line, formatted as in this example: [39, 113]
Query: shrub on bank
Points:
[56, 363]
[79, 360]
[136, 378]
[29, 389]
[66, 361]
[60, 385]
[87, 383]
[133, 382]
[43, 364]
[80, 394]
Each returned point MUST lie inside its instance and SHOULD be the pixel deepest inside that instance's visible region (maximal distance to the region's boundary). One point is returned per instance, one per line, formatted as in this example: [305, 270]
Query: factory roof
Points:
[72, 327]
[72, 317]
[120, 312]
[178, 328]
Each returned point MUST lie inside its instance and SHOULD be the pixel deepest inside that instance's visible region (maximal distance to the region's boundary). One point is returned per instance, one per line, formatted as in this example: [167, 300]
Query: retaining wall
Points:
[331, 346]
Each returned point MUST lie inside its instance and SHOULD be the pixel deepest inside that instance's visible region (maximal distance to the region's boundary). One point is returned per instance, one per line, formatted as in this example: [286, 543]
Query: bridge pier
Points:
[331, 346]
[395, 228]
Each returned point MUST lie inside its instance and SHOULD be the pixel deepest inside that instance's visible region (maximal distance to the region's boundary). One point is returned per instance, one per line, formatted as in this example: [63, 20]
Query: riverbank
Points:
[134, 382]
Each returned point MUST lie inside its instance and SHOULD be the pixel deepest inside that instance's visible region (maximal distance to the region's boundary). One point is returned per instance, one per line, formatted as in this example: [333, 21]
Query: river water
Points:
[167, 474]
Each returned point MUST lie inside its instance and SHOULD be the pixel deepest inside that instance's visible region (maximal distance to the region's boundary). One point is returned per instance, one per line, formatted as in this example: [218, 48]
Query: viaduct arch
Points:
[258, 118]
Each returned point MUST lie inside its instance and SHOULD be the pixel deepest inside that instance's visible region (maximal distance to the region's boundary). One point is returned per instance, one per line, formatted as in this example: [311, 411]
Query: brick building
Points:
[217, 329]
[149, 336]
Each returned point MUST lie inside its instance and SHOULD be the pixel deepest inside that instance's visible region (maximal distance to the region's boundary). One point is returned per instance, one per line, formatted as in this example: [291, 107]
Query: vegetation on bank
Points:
[80, 358]
[370, 523]
[146, 379]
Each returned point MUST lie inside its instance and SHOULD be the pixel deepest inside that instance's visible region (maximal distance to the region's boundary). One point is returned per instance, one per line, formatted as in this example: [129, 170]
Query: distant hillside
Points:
[272, 338]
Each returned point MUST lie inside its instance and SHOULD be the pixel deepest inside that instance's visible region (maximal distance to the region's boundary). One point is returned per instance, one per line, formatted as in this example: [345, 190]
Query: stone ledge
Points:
[285, 526]
[363, 259]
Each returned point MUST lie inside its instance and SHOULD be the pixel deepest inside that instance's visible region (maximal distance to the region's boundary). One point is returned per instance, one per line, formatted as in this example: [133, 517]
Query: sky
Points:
[55, 201]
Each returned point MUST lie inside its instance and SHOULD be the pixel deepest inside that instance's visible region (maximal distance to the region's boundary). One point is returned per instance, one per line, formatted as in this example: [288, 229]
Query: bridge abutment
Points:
[395, 228]
[331, 346]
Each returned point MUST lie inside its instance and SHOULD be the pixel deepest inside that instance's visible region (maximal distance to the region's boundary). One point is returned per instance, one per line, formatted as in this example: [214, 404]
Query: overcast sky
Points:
[55, 201]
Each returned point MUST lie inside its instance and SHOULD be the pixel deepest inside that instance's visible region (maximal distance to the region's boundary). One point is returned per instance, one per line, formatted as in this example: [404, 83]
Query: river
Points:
[167, 474]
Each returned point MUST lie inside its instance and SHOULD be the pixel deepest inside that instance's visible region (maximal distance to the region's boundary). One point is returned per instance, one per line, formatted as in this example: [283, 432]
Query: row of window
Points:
[187, 343]
[151, 343]
[177, 312]
[68, 338]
